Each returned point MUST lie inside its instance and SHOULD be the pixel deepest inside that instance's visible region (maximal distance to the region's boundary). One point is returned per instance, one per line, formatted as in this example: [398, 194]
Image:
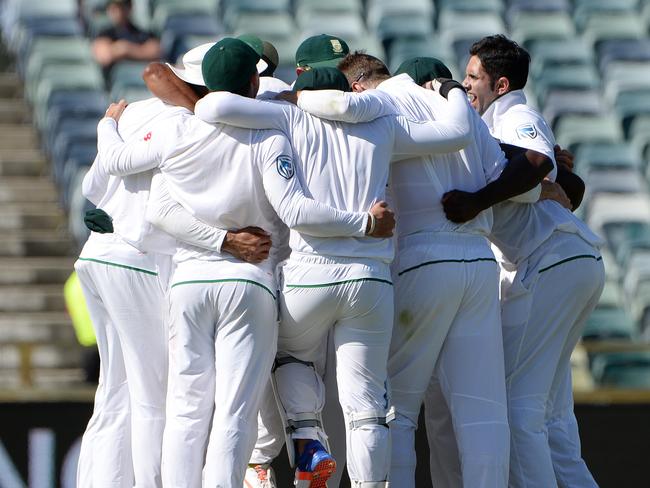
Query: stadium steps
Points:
[38, 347]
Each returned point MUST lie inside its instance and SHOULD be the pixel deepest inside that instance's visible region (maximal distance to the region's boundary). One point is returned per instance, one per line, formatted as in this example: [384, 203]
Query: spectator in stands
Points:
[123, 40]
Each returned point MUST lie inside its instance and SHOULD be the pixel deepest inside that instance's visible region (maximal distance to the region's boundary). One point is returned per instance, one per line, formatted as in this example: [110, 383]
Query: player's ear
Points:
[502, 86]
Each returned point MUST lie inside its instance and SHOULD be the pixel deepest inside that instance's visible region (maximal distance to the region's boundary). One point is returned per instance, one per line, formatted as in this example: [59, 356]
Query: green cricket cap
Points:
[424, 69]
[229, 65]
[321, 50]
[323, 78]
[265, 49]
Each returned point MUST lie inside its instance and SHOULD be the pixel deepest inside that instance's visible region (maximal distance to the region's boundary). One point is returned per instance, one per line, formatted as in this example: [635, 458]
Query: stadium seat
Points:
[572, 130]
[306, 9]
[617, 233]
[527, 27]
[607, 324]
[178, 28]
[559, 102]
[379, 9]
[612, 295]
[639, 132]
[515, 7]
[612, 156]
[606, 26]
[454, 26]
[622, 50]
[584, 9]
[348, 26]
[605, 208]
[627, 180]
[474, 6]
[630, 104]
[276, 25]
[625, 76]
[565, 78]
[547, 53]
[622, 370]
[127, 73]
[404, 25]
[164, 10]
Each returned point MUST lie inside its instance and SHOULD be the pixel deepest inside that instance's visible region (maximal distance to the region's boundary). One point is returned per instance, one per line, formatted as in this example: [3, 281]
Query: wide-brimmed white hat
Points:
[192, 59]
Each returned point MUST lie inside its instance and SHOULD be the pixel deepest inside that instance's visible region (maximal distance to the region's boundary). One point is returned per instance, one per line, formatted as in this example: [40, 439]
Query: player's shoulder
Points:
[525, 122]
[269, 138]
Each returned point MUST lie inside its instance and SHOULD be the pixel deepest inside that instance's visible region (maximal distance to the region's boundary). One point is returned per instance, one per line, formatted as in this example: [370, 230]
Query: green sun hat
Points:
[322, 79]
[321, 51]
[423, 69]
[229, 65]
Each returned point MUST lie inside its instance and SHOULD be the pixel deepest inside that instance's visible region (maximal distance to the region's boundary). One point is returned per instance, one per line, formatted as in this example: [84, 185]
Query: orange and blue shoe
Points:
[315, 467]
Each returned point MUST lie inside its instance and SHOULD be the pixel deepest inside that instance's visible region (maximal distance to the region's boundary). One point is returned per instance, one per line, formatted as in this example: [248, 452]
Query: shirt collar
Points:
[501, 105]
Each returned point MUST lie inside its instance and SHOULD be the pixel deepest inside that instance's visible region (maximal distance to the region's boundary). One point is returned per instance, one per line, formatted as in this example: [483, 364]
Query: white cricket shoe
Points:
[259, 476]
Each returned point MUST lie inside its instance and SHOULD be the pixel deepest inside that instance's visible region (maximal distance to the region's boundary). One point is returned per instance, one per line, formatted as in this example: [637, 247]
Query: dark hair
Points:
[501, 56]
[358, 63]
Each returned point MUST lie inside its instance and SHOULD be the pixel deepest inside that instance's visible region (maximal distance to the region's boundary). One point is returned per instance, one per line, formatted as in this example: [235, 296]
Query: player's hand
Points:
[443, 85]
[564, 158]
[384, 221]
[461, 206]
[250, 244]
[553, 191]
[115, 110]
[288, 96]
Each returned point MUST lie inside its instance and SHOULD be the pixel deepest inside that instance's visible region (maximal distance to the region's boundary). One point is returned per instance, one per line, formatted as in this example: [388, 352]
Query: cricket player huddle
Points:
[251, 287]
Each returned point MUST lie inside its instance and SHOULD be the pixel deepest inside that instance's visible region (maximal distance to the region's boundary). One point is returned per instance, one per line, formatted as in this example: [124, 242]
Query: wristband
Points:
[373, 223]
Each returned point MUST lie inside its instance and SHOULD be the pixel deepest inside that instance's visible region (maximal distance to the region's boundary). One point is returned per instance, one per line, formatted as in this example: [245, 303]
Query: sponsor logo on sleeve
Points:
[527, 131]
[284, 165]
[148, 136]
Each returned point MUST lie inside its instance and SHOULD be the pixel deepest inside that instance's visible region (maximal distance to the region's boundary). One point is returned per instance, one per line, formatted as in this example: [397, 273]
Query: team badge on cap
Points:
[527, 131]
[284, 165]
[337, 47]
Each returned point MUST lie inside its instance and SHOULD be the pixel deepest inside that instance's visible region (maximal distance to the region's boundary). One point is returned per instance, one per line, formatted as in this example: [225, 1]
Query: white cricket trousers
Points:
[355, 301]
[222, 344]
[122, 443]
[545, 308]
[447, 339]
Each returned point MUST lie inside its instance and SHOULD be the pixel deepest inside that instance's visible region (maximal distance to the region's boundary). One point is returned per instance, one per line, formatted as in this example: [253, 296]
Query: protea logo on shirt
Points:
[284, 164]
[527, 131]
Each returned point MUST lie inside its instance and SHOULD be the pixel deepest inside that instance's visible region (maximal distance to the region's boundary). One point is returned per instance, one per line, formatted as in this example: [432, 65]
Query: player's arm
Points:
[248, 113]
[95, 183]
[120, 158]
[572, 184]
[449, 133]
[306, 215]
[250, 244]
[524, 172]
[168, 87]
[346, 107]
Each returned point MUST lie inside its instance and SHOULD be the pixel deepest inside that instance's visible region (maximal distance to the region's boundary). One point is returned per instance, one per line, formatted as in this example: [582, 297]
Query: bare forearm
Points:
[162, 82]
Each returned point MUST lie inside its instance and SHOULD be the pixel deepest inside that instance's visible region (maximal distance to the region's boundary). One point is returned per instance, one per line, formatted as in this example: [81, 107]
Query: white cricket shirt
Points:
[519, 229]
[126, 199]
[418, 184]
[343, 165]
[228, 178]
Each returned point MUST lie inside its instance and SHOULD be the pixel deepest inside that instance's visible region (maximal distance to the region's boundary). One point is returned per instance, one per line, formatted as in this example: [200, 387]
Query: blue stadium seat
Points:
[607, 324]
[622, 50]
[622, 370]
[559, 102]
[179, 28]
